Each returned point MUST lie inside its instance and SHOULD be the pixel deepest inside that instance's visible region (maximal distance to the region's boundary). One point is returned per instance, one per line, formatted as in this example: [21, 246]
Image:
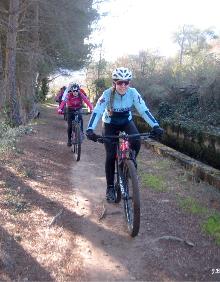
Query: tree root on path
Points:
[174, 238]
[53, 221]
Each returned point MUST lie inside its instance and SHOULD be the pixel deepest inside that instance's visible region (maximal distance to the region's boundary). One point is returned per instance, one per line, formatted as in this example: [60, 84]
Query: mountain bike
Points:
[76, 137]
[126, 180]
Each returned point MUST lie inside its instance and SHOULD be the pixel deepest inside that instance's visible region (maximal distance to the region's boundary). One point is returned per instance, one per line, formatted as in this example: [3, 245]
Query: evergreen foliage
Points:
[39, 38]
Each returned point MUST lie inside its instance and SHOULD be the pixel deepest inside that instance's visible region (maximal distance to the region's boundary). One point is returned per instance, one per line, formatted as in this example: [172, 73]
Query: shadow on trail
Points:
[16, 263]
[68, 220]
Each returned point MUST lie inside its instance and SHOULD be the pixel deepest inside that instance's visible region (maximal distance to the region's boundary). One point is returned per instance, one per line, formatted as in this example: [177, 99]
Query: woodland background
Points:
[40, 39]
[184, 89]
[37, 39]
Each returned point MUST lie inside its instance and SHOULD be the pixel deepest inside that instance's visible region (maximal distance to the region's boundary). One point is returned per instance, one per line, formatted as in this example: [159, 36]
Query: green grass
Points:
[154, 182]
[212, 223]
[212, 227]
[191, 205]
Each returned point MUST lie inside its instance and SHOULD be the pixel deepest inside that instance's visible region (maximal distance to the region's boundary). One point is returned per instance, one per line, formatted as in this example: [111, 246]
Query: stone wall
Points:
[197, 144]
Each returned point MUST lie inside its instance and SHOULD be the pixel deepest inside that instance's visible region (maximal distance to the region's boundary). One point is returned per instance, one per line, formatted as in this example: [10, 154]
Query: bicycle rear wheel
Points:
[131, 197]
[76, 142]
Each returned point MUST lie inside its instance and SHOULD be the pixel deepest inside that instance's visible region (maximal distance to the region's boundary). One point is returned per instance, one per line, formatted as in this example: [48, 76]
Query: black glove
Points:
[156, 132]
[91, 135]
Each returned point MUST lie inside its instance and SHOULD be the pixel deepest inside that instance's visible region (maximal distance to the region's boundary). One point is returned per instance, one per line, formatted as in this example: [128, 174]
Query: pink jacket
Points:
[75, 103]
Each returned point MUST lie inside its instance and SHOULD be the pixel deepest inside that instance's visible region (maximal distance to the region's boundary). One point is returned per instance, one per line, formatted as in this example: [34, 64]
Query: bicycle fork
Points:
[123, 186]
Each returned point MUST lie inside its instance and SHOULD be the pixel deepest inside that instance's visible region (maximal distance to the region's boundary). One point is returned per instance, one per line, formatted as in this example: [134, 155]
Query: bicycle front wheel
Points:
[117, 183]
[131, 196]
[76, 143]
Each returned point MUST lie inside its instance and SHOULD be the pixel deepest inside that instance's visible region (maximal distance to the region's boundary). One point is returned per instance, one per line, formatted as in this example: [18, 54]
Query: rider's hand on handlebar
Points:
[156, 132]
[91, 135]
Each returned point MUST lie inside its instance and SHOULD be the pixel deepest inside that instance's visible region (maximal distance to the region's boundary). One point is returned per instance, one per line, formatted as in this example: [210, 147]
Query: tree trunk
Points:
[12, 102]
[1, 76]
[32, 61]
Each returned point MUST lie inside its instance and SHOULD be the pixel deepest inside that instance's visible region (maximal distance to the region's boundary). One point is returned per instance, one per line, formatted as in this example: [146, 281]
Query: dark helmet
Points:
[74, 87]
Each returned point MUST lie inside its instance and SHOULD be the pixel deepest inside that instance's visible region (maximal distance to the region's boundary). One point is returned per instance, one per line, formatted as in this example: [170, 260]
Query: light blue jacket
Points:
[122, 105]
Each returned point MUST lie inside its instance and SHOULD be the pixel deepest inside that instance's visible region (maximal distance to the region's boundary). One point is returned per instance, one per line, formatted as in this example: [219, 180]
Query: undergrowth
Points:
[212, 226]
[9, 136]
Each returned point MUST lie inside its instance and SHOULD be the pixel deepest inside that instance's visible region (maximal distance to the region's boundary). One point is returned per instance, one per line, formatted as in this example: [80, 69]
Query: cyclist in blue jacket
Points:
[114, 106]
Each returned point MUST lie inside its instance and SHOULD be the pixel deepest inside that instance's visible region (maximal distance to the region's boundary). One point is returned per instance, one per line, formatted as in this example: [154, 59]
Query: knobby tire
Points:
[117, 183]
[132, 202]
[77, 142]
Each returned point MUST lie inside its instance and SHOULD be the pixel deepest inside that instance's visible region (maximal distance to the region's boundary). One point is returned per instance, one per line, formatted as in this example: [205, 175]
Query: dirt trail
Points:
[51, 207]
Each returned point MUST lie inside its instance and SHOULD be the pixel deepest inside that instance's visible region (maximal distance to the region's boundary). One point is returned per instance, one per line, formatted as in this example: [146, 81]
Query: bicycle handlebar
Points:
[122, 135]
[76, 112]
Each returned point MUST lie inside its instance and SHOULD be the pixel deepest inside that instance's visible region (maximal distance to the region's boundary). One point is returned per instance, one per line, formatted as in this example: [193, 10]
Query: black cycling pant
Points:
[70, 117]
[111, 149]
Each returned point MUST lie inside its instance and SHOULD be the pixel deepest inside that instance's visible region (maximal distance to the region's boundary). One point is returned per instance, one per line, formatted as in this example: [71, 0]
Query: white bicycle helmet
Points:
[122, 74]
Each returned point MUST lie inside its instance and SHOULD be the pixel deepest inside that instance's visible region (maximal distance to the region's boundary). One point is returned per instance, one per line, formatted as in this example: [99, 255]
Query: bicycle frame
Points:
[123, 152]
[124, 149]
